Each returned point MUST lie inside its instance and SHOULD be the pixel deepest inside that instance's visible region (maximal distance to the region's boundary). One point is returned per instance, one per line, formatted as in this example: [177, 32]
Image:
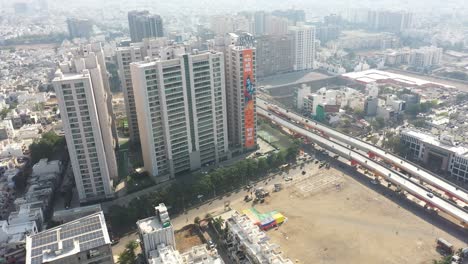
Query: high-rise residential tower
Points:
[125, 56]
[142, 25]
[180, 101]
[79, 28]
[304, 50]
[240, 91]
[87, 122]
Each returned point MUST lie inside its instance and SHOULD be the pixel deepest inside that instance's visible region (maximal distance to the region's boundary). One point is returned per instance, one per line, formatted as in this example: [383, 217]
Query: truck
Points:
[444, 246]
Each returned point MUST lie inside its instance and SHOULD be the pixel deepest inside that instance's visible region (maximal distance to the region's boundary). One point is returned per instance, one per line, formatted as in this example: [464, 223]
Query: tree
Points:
[196, 220]
[128, 256]
[49, 144]
[262, 165]
[217, 223]
[359, 113]
[379, 122]
[413, 109]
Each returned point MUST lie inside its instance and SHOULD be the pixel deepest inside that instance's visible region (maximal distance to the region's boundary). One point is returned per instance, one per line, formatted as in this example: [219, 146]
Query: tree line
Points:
[200, 187]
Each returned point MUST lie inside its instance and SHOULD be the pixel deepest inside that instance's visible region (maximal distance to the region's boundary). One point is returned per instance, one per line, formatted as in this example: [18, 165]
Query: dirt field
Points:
[186, 238]
[333, 218]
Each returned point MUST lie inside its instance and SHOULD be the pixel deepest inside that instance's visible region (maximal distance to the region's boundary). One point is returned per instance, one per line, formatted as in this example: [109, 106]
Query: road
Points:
[451, 189]
[387, 173]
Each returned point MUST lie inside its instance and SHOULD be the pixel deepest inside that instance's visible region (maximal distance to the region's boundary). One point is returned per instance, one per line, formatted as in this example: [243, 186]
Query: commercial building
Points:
[274, 54]
[156, 230]
[241, 99]
[125, 56]
[85, 240]
[304, 46]
[438, 153]
[180, 101]
[79, 28]
[246, 243]
[142, 25]
[80, 85]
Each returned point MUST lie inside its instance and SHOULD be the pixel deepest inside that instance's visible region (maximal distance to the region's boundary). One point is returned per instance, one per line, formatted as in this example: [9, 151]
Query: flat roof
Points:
[87, 232]
[291, 78]
[370, 76]
[433, 140]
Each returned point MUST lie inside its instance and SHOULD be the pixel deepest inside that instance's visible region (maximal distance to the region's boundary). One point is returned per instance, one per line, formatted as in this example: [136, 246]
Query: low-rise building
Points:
[85, 240]
[246, 243]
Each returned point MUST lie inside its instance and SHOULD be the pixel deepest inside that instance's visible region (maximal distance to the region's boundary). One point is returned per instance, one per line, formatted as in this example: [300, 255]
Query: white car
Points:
[288, 179]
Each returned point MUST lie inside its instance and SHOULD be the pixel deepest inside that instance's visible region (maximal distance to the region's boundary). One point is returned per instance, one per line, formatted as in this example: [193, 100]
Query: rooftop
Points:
[164, 255]
[438, 142]
[159, 221]
[82, 234]
[370, 76]
[291, 78]
[254, 241]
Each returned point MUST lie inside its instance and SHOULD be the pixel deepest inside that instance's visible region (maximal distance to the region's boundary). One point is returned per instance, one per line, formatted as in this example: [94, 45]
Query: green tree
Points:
[49, 144]
[262, 165]
[128, 256]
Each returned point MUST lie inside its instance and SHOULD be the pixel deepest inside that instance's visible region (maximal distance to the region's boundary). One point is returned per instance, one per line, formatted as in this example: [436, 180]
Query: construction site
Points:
[330, 216]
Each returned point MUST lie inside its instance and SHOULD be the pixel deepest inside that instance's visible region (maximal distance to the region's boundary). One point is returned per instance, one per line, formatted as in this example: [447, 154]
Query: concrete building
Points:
[164, 254]
[304, 46]
[125, 56]
[392, 21]
[294, 16]
[425, 57]
[84, 240]
[196, 255]
[142, 25]
[156, 230]
[246, 243]
[79, 28]
[274, 54]
[276, 25]
[241, 99]
[87, 123]
[325, 32]
[438, 153]
[180, 101]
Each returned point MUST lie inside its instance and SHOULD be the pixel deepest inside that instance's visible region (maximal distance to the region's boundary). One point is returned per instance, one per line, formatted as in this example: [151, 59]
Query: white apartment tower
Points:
[125, 56]
[87, 123]
[304, 46]
[241, 98]
[180, 101]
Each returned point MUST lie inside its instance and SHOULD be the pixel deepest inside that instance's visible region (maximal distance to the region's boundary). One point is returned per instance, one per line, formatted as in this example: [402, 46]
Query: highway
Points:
[392, 176]
[427, 177]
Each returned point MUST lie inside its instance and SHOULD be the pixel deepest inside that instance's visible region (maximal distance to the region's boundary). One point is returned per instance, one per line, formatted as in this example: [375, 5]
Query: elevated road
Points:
[390, 175]
[450, 189]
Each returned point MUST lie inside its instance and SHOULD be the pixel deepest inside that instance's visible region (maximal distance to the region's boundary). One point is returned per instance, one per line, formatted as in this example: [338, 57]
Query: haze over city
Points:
[219, 132]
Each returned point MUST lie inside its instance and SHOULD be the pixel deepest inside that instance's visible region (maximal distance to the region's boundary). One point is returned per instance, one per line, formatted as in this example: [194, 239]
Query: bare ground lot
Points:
[332, 218]
[187, 238]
